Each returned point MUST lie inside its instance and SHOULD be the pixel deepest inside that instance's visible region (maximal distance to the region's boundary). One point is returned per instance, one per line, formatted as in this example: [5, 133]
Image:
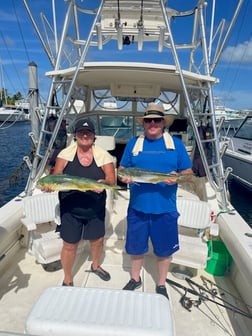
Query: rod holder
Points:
[28, 162]
[227, 172]
[223, 149]
[33, 139]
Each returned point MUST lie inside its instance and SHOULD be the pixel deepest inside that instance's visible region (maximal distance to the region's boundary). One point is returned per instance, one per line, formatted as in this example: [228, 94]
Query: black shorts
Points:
[73, 229]
[82, 216]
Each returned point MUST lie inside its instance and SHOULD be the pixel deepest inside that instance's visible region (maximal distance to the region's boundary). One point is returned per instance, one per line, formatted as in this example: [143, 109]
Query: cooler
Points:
[64, 311]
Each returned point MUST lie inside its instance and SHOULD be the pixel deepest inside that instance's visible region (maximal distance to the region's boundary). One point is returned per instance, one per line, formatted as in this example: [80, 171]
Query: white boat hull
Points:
[241, 167]
[13, 116]
[238, 155]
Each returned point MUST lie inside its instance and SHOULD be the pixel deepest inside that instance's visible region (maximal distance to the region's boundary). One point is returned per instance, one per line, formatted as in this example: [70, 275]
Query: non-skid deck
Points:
[23, 283]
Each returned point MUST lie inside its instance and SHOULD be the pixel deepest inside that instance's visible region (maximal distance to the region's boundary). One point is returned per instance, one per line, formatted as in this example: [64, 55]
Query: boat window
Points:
[117, 115]
[245, 131]
[118, 126]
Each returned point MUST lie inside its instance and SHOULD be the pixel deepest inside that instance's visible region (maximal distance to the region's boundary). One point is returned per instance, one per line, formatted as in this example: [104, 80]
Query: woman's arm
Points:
[109, 170]
[59, 166]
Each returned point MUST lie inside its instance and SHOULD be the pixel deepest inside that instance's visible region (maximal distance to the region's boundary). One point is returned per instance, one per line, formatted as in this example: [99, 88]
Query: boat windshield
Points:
[117, 116]
[245, 131]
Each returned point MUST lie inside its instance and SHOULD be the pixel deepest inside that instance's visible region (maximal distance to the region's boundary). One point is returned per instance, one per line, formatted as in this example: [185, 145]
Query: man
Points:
[152, 211]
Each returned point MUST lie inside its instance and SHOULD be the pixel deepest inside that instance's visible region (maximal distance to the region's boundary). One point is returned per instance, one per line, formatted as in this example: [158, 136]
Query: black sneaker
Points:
[70, 284]
[162, 290]
[133, 284]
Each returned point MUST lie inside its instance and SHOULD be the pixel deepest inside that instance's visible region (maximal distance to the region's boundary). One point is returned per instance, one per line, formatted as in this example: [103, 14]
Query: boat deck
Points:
[23, 283]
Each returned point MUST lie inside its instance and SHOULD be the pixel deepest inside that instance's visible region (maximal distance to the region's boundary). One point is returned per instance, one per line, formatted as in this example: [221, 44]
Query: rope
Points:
[12, 61]
[20, 30]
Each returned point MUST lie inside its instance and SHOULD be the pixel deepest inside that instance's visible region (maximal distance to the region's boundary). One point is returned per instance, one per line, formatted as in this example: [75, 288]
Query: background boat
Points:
[12, 113]
[238, 154]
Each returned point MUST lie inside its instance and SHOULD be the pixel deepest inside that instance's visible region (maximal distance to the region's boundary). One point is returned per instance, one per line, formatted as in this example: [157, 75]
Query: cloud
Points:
[242, 53]
[237, 99]
[7, 16]
[8, 42]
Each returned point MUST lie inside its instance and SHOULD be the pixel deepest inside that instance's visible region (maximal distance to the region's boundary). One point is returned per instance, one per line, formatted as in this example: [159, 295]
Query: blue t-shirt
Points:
[161, 197]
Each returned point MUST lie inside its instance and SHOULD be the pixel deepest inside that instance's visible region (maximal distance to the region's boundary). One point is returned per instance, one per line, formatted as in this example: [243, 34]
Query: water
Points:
[15, 144]
[241, 200]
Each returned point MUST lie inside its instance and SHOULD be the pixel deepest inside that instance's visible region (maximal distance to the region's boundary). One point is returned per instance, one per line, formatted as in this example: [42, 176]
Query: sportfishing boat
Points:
[238, 153]
[227, 118]
[115, 56]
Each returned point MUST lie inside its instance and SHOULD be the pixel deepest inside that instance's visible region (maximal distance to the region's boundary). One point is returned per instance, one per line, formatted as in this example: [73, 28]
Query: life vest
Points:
[138, 147]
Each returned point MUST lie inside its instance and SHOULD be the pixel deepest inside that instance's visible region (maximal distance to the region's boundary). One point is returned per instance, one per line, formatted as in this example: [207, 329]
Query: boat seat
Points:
[194, 219]
[63, 311]
[107, 142]
[41, 216]
[38, 209]
[44, 243]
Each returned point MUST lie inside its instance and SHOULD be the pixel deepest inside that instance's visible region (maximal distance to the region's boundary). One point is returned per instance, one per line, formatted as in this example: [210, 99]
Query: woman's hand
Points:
[99, 190]
[47, 189]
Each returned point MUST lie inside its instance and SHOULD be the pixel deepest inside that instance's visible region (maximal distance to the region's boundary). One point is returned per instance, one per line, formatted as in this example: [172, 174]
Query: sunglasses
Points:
[155, 120]
[82, 133]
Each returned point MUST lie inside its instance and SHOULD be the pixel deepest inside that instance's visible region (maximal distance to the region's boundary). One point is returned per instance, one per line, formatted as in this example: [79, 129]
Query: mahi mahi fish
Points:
[148, 176]
[64, 182]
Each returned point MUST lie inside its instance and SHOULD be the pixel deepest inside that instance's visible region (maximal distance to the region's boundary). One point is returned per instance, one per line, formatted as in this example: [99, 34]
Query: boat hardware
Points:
[204, 297]
[228, 211]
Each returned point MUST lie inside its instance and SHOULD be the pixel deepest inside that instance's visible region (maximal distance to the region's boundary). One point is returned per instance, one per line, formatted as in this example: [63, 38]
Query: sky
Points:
[19, 45]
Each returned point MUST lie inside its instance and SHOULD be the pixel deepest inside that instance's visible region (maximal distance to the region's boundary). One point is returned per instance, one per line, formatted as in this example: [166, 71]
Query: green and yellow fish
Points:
[148, 176]
[64, 182]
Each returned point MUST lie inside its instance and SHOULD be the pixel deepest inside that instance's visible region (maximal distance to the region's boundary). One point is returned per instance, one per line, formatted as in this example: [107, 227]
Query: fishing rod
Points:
[188, 303]
[204, 280]
[214, 294]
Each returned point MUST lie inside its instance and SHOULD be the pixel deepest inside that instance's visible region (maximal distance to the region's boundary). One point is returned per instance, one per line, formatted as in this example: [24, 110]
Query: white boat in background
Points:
[238, 153]
[229, 119]
[209, 284]
[13, 113]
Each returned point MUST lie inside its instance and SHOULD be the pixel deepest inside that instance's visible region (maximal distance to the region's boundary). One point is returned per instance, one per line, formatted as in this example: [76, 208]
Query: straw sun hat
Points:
[156, 111]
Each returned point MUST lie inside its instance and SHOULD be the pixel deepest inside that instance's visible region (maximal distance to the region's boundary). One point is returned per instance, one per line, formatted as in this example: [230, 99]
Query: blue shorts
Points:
[162, 229]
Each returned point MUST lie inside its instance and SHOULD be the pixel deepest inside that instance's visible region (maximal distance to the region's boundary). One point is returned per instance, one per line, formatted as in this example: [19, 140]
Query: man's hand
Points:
[171, 180]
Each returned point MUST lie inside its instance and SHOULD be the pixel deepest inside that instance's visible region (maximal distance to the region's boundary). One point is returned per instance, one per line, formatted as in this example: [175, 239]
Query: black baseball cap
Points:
[84, 123]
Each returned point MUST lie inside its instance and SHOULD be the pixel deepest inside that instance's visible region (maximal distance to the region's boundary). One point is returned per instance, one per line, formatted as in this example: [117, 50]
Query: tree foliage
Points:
[5, 99]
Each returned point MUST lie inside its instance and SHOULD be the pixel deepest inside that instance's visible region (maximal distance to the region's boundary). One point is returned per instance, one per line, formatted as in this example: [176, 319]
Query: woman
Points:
[83, 213]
